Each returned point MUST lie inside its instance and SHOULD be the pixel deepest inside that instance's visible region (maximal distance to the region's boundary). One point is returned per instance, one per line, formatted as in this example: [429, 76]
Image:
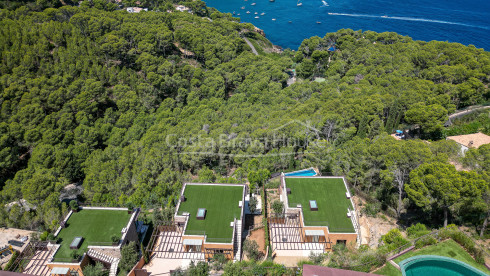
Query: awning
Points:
[60, 271]
[314, 233]
[192, 242]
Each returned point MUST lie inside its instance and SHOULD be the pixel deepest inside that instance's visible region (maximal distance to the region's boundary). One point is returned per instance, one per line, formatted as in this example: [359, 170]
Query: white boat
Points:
[262, 13]
[256, 13]
[318, 22]
[238, 14]
[242, 8]
[253, 4]
[273, 19]
[248, 12]
[385, 16]
[299, 4]
[256, 17]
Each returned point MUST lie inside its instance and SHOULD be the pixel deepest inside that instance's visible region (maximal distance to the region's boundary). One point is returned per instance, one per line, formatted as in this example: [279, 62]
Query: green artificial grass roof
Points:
[221, 204]
[330, 197]
[94, 226]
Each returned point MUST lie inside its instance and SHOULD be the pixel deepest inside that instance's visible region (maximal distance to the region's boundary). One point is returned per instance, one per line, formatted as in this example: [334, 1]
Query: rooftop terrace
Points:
[331, 201]
[221, 204]
[95, 226]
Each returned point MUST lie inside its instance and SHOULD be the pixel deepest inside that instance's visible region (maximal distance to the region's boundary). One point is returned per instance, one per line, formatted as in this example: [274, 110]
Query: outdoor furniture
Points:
[75, 244]
[288, 191]
[16, 243]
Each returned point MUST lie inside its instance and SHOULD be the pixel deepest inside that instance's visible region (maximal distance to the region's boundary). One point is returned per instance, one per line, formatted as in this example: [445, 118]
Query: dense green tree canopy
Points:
[129, 106]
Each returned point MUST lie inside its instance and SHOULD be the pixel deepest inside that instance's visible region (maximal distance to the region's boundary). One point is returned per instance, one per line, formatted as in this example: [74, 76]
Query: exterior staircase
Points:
[357, 227]
[113, 269]
[101, 257]
[237, 244]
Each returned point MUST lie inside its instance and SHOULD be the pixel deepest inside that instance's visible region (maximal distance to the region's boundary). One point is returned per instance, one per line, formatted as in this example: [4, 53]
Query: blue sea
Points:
[463, 21]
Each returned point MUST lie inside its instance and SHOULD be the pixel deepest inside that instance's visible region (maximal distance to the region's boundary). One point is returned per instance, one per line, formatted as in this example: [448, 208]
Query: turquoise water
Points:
[467, 22]
[308, 172]
[428, 265]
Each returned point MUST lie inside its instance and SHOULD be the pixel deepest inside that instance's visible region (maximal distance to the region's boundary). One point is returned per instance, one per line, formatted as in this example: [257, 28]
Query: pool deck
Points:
[305, 172]
[404, 265]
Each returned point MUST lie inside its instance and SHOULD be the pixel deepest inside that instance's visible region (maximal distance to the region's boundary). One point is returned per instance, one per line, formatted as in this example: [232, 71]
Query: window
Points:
[344, 242]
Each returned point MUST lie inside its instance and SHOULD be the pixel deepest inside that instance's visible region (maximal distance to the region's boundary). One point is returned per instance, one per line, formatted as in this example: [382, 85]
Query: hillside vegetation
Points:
[131, 105]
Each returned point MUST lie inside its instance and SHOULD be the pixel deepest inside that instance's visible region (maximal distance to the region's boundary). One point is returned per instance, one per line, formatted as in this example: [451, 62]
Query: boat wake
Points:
[325, 4]
[408, 19]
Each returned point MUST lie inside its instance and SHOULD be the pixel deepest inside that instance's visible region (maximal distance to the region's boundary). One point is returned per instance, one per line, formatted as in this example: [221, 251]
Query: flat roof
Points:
[221, 202]
[330, 196]
[474, 140]
[94, 226]
[60, 270]
[192, 242]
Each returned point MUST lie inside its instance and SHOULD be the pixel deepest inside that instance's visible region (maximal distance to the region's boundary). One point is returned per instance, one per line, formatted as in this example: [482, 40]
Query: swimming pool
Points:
[305, 172]
[430, 265]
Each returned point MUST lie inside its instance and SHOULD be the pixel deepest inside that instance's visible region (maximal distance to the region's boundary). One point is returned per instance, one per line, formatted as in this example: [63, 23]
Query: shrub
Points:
[202, 268]
[427, 240]
[75, 255]
[74, 205]
[94, 270]
[129, 257]
[146, 256]
[8, 266]
[51, 237]
[278, 207]
[393, 239]
[130, 206]
[417, 230]
[371, 209]
[35, 236]
[272, 184]
[316, 258]
[452, 232]
[251, 248]
[218, 262]
[252, 204]
[44, 235]
[115, 238]
[479, 257]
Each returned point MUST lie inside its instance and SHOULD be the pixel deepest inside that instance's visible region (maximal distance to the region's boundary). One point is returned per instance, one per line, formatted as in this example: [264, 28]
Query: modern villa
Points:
[318, 213]
[208, 220]
[84, 236]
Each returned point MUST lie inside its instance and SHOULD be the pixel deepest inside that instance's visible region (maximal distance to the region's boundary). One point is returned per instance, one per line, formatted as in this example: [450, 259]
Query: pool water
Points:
[428, 265]
[307, 172]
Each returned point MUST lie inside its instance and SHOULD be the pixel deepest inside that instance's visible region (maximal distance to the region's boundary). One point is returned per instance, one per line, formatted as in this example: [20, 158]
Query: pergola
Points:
[167, 241]
[287, 233]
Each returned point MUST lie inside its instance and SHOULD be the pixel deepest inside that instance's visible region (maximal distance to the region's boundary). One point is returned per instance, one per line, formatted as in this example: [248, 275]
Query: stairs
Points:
[237, 244]
[101, 257]
[355, 223]
[113, 269]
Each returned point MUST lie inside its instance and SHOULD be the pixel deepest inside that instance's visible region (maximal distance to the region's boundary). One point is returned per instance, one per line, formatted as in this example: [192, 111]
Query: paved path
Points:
[466, 111]
[251, 46]
[470, 109]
